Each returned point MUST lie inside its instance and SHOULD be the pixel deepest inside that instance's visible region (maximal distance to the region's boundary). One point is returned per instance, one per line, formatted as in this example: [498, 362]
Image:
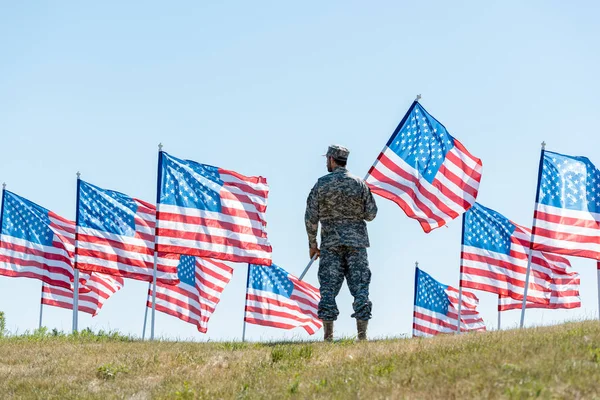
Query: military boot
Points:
[328, 328]
[361, 328]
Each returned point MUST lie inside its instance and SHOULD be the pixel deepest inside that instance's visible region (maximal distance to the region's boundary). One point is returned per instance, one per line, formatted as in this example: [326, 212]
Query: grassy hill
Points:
[553, 362]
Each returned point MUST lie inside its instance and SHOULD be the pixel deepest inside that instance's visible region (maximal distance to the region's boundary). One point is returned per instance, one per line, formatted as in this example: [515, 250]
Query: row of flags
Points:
[206, 217]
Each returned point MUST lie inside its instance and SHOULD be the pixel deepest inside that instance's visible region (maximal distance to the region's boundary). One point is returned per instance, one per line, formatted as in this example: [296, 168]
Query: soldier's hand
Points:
[312, 251]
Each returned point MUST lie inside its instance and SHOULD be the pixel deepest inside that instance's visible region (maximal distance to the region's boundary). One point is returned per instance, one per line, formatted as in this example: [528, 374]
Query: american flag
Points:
[278, 299]
[494, 257]
[210, 212]
[427, 172]
[567, 212]
[194, 299]
[115, 236]
[564, 284]
[436, 308]
[35, 242]
[92, 295]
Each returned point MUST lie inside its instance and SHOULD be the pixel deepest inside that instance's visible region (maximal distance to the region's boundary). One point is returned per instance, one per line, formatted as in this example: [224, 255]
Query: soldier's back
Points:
[341, 196]
[341, 205]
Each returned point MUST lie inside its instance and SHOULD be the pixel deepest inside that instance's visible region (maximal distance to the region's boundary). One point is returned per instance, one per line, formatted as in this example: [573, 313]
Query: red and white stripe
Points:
[505, 274]
[452, 192]
[237, 233]
[92, 295]
[568, 232]
[50, 264]
[126, 256]
[300, 310]
[193, 304]
[564, 284]
[428, 323]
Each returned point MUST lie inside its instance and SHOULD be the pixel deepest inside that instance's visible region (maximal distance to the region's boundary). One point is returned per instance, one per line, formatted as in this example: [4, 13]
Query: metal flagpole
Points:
[462, 240]
[415, 296]
[153, 295]
[310, 263]
[245, 304]
[158, 185]
[41, 306]
[598, 272]
[537, 197]
[146, 312]
[75, 269]
[75, 299]
[499, 314]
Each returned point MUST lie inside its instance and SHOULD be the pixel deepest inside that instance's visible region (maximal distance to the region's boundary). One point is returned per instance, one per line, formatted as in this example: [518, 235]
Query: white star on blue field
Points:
[190, 184]
[270, 279]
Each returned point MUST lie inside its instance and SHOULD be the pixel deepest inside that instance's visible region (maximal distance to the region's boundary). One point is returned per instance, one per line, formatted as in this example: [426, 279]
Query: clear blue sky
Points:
[263, 88]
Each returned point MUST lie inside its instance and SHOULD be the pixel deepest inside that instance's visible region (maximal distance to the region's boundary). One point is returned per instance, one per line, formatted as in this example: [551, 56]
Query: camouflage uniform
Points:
[342, 203]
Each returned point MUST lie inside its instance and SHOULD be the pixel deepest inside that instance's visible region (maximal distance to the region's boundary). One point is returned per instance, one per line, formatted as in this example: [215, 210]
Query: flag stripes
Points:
[92, 295]
[212, 213]
[431, 317]
[568, 232]
[567, 211]
[193, 303]
[115, 236]
[35, 242]
[564, 284]
[400, 177]
[268, 304]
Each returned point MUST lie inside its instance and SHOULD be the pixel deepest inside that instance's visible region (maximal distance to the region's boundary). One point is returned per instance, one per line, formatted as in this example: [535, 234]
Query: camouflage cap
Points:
[338, 152]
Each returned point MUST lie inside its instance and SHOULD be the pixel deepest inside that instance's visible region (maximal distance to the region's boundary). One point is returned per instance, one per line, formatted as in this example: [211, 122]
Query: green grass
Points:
[561, 361]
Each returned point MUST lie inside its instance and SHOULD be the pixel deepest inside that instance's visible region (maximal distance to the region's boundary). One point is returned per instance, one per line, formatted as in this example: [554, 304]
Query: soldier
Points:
[342, 203]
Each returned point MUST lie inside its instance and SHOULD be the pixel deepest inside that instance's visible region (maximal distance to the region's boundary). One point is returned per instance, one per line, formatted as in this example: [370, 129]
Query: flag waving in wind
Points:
[194, 299]
[210, 212]
[567, 212]
[436, 308]
[35, 242]
[278, 299]
[426, 171]
[564, 284]
[115, 236]
[97, 289]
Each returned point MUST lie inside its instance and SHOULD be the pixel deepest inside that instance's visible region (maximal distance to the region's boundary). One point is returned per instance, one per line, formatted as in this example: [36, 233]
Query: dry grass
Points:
[553, 362]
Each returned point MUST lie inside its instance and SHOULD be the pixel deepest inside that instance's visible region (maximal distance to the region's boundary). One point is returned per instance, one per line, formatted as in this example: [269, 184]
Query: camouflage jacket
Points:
[342, 203]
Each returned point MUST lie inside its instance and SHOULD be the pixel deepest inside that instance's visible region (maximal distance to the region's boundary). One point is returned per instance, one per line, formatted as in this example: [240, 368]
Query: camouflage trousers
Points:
[336, 264]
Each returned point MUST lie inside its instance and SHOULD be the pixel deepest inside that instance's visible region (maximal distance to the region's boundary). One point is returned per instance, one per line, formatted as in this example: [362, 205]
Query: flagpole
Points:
[415, 296]
[158, 185]
[146, 312]
[499, 314]
[310, 263]
[41, 306]
[75, 269]
[537, 197]
[245, 305]
[462, 241]
[598, 272]
[2, 208]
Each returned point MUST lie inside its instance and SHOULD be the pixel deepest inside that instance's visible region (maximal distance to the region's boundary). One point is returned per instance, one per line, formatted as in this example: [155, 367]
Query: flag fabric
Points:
[436, 308]
[564, 284]
[426, 171]
[494, 257]
[115, 236]
[194, 299]
[35, 242]
[567, 211]
[210, 212]
[97, 289]
[278, 299]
